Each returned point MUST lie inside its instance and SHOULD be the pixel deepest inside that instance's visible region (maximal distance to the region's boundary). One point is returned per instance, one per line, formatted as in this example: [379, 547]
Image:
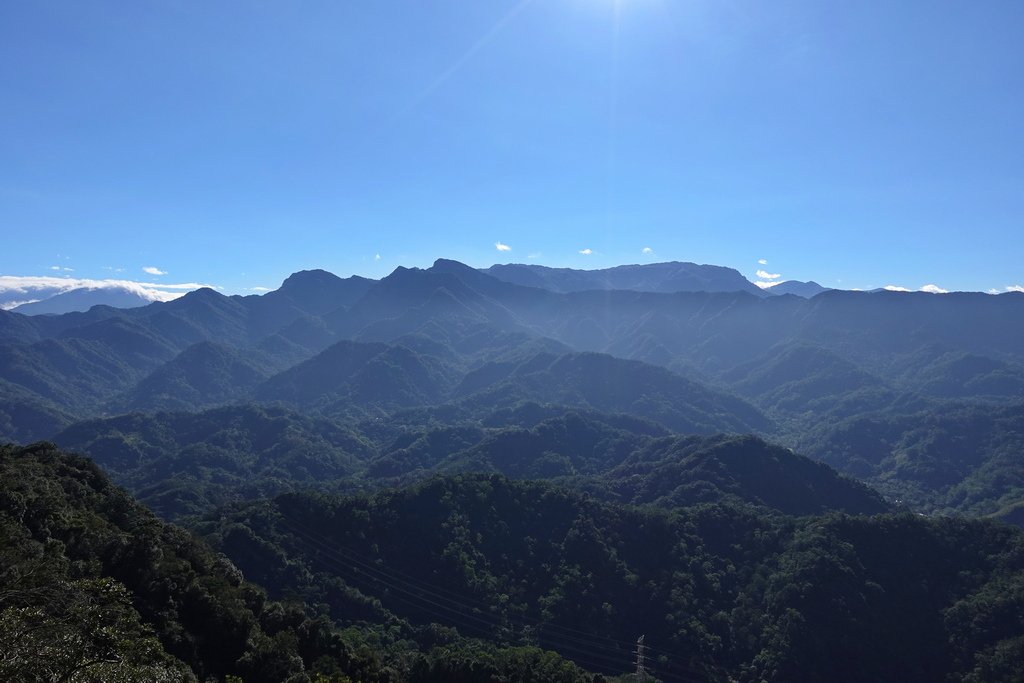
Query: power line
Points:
[391, 578]
[440, 591]
[558, 640]
[610, 661]
[640, 673]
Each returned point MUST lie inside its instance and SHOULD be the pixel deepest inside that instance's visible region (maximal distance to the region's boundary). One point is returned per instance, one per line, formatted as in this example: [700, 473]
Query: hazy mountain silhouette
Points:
[202, 375]
[803, 289]
[84, 298]
[271, 449]
[674, 276]
[610, 384]
[459, 339]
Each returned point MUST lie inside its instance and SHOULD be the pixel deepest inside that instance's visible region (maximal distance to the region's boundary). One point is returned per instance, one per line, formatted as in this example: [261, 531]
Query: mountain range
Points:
[84, 298]
[478, 577]
[701, 362]
[506, 474]
[655, 277]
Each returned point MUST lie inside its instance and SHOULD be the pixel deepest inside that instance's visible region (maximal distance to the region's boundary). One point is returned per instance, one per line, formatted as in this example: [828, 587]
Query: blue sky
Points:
[231, 143]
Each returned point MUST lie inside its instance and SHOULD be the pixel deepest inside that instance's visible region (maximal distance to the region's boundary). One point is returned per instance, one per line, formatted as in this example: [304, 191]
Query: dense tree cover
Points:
[359, 386]
[795, 378]
[24, 416]
[720, 593]
[953, 458]
[355, 380]
[913, 435]
[352, 372]
[682, 471]
[456, 338]
[791, 381]
[394, 585]
[918, 342]
[84, 561]
[73, 375]
[610, 384]
[188, 463]
[958, 458]
[94, 588]
[203, 375]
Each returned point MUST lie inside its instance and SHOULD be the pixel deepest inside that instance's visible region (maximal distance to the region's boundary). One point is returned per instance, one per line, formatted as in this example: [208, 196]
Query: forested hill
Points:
[454, 339]
[188, 463]
[95, 589]
[954, 458]
[720, 593]
[444, 321]
[561, 470]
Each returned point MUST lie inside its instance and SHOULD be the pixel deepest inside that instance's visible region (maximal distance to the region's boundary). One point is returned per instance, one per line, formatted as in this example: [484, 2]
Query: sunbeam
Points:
[457, 65]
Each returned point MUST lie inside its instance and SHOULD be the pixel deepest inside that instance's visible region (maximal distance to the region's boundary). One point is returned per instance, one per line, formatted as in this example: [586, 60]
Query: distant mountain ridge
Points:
[672, 276]
[84, 298]
[79, 362]
[318, 292]
[456, 340]
[255, 449]
[611, 461]
[804, 289]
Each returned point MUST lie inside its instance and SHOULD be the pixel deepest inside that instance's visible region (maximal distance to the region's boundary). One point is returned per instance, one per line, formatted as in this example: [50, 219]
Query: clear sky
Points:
[859, 144]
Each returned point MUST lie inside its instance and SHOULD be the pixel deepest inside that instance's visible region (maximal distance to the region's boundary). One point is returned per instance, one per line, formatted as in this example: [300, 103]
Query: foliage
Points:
[719, 592]
[957, 458]
[183, 464]
[94, 588]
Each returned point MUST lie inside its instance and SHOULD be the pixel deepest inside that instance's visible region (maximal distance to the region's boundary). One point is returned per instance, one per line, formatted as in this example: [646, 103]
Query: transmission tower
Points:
[641, 673]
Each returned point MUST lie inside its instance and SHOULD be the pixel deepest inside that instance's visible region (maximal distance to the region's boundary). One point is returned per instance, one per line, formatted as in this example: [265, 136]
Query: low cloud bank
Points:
[16, 290]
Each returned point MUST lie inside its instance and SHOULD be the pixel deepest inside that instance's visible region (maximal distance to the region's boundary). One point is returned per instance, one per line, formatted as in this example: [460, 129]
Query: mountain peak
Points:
[305, 279]
[204, 293]
[670, 276]
[450, 266]
[84, 298]
[317, 291]
[802, 289]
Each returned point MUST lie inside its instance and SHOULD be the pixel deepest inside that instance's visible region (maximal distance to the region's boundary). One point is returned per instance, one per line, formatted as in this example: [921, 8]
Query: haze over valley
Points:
[908, 404]
[575, 341]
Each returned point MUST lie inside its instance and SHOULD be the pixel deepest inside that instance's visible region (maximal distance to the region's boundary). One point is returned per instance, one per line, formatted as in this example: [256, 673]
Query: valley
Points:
[448, 471]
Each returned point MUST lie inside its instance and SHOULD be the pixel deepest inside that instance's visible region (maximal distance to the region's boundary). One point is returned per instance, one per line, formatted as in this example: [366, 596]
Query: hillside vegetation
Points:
[94, 588]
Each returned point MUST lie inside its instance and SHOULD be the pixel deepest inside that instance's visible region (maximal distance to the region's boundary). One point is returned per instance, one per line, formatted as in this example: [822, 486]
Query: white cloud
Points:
[931, 289]
[646, 250]
[765, 275]
[16, 290]
[14, 303]
[587, 252]
[993, 291]
[376, 257]
[534, 255]
[62, 268]
[1015, 288]
[153, 270]
[763, 262]
[764, 284]
[259, 289]
[502, 247]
